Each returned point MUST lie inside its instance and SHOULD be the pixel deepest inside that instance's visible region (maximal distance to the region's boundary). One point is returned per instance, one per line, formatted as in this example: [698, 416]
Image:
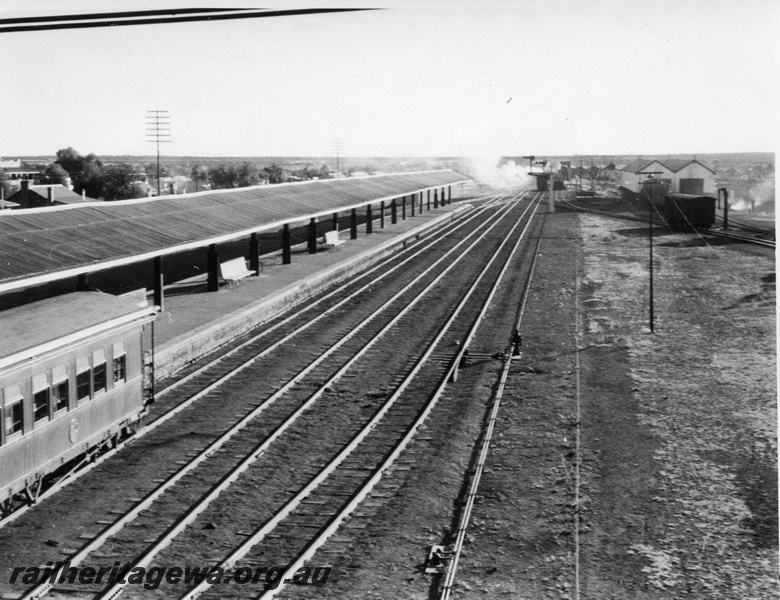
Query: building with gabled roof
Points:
[38, 196]
[22, 173]
[679, 176]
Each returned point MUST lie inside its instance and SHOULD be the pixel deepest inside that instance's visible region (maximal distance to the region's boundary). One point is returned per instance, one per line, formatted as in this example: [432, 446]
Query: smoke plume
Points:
[491, 171]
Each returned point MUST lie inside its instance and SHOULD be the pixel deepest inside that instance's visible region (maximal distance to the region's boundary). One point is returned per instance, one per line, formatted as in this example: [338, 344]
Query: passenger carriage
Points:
[71, 385]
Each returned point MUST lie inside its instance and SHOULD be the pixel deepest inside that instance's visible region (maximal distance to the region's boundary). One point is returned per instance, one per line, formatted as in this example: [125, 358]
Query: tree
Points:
[70, 160]
[275, 174]
[54, 173]
[90, 181]
[151, 170]
[119, 182]
[247, 174]
[199, 173]
[223, 176]
[6, 187]
[85, 172]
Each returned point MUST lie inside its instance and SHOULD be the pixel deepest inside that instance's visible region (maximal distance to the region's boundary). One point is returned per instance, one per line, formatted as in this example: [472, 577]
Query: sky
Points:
[427, 78]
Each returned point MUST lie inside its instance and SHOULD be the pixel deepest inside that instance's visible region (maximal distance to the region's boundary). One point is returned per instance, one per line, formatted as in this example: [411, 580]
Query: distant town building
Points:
[679, 176]
[21, 173]
[6, 205]
[37, 196]
[10, 164]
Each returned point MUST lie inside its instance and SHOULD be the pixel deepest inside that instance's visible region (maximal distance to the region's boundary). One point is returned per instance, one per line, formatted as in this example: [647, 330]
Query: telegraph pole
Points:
[725, 206]
[155, 133]
[651, 208]
[338, 148]
[550, 198]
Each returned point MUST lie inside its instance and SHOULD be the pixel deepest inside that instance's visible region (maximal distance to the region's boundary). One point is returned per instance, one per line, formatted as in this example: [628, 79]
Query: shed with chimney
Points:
[37, 196]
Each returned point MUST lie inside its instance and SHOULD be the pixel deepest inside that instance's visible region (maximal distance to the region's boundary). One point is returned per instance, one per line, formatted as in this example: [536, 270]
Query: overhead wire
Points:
[151, 17]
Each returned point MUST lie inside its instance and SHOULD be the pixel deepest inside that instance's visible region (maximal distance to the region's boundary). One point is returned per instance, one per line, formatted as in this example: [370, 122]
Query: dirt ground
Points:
[647, 469]
[668, 487]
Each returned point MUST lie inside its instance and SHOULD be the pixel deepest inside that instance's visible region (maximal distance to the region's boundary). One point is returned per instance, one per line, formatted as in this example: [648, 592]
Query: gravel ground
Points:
[677, 429]
[678, 469]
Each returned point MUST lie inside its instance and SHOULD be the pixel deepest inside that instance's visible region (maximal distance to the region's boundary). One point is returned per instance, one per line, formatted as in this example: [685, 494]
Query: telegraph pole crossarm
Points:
[155, 133]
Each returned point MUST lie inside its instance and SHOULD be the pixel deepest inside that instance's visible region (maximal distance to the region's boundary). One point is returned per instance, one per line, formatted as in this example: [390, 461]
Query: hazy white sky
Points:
[419, 78]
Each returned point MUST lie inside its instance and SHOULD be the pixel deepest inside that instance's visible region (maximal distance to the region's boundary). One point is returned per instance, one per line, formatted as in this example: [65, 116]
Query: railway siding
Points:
[313, 275]
[218, 400]
[678, 468]
[678, 461]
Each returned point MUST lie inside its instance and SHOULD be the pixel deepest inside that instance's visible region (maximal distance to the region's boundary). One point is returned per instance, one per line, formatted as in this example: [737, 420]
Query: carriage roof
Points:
[40, 326]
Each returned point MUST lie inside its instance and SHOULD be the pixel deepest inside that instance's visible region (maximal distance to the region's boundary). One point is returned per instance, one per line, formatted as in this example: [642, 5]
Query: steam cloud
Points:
[762, 194]
[488, 170]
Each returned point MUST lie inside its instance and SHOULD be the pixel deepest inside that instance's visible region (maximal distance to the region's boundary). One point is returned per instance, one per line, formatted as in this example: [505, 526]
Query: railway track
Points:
[244, 362]
[207, 374]
[747, 226]
[748, 239]
[459, 537]
[378, 444]
[722, 234]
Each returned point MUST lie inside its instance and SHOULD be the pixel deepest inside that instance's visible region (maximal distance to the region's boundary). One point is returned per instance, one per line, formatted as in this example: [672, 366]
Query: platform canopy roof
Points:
[46, 244]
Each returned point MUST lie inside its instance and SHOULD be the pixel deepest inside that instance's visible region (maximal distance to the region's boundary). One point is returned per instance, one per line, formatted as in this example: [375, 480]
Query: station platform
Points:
[194, 321]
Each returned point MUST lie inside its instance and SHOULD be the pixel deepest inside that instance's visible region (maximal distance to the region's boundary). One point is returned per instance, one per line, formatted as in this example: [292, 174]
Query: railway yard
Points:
[399, 410]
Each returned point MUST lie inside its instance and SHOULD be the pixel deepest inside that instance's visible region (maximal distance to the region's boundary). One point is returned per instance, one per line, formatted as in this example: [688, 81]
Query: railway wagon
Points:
[71, 384]
[686, 210]
[543, 182]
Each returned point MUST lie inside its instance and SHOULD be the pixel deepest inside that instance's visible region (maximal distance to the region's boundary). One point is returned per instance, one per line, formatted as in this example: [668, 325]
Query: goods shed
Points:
[684, 176]
[49, 244]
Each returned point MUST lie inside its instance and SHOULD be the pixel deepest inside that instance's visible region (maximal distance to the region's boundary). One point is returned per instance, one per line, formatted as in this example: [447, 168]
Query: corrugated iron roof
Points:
[678, 164]
[673, 164]
[45, 244]
[637, 165]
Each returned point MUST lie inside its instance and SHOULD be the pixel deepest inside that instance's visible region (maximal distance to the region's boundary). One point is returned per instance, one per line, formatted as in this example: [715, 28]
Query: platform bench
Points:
[234, 270]
[331, 240]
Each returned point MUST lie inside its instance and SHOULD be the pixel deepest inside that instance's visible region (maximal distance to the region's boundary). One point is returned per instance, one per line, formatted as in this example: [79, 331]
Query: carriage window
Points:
[83, 379]
[41, 403]
[99, 378]
[12, 414]
[41, 397]
[120, 363]
[82, 386]
[60, 388]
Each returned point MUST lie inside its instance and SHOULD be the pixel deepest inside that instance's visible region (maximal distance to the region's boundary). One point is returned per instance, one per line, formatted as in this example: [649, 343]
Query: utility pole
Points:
[338, 148]
[550, 198]
[155, 133]
[651, 208]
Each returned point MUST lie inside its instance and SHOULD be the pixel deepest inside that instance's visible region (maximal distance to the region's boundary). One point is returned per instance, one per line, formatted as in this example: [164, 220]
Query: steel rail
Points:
[311, 306]
[743, 238]
[746, 226]
[224, 378]
[79, 472]
[463, 523]
[43, 588]
[202, 504]
[746, 239]
[367, 486]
